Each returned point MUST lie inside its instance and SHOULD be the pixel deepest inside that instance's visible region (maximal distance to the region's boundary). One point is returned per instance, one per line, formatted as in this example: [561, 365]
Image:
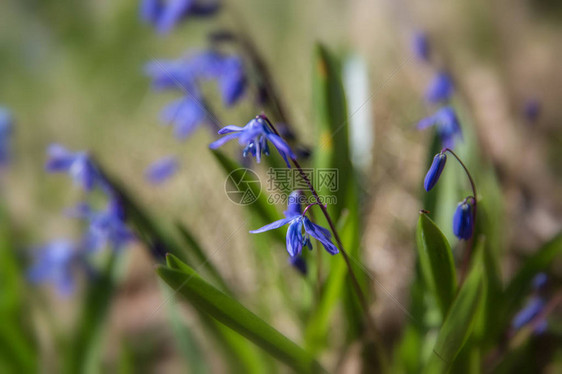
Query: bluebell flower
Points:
[6, 128]
[539, 281]
[162, 169]
[296, 239]
[55, 263]
[463, 219]
[532, 110]
[232, 80]
[173, 74]
[420, 46]
[440, 88]
[435, 171]
[254, 137]
[77, 164]
[185, 115]
[447, 126]
[106, 227]
[533, 308]
[165, 15]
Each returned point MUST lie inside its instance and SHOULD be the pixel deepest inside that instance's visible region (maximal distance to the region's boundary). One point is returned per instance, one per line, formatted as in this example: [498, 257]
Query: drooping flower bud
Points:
[434, 171]
[463, 220]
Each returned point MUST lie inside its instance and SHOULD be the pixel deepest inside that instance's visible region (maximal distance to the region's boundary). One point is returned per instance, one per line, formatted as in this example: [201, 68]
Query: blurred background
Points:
[72, 72]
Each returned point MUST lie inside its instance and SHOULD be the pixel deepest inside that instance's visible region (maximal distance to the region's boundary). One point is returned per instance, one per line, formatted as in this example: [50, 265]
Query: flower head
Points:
[440, 88]
[77, 164]
[296, 239]
[232, 80]
[463, 219]
[6, 128]
[420, 46]
[435, 170]
[254, 136]
[165, 15]
[447, 125]
[185, 115]
[162, 169]
[55, 263]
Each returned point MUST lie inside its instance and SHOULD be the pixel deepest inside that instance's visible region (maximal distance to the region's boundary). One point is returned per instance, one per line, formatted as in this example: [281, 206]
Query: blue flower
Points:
[254, 137]
[420, 46]
[533, 308]
[77, 164]
[162, 169]
[6, 128]
[296, 240]
[539, 281]
[447, 125]
[185, 115]
[440, 88]
[165, 15]
[232, 80]
[434, 171]
[463, 219]
[55, 263]
[106, 227]
[173, 74]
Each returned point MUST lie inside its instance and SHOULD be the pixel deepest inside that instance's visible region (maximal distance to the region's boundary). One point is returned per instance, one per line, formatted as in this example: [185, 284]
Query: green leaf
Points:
[436, 262]
[231, 313]
[459, 321]
[330, 114]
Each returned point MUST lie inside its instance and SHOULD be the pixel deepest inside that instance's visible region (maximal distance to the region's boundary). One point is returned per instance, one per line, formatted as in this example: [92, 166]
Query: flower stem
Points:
[359, 292]
[468, 252]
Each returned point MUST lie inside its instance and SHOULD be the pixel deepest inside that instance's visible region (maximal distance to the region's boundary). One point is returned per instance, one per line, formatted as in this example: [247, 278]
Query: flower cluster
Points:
[57, 261]
[439, 91]
[6, 128]
[464, 217]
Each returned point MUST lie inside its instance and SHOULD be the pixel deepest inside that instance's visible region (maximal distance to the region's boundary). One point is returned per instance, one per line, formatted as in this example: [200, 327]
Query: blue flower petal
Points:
[272, 226]
[317, 233]
[218, 143]
[161, 170]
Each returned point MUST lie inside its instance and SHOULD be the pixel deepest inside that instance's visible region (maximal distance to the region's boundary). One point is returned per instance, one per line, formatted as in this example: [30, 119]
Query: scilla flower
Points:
[55, 263]
[435, 171]
[440, 88]
[6, 125]
[166, 14]
[463, 219]
[420, 46]
[254, 137]
[298, 222]
[447, 126]
[162, 170]
[185, 115]
[77, 164]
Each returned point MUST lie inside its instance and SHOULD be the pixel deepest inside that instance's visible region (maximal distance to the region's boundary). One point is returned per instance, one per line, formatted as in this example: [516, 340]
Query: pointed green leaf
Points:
[231, 313]
[436, 262]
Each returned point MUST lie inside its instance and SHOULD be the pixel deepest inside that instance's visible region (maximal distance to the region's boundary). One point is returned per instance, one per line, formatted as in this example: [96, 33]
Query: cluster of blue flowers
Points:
[58, 261]
[530, 315]
[439, 91]
[6, 128]
[186, 74]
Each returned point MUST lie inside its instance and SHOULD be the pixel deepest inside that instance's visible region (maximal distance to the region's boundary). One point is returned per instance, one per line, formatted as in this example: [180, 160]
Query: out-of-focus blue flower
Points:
[299, 264]
[539, 281]
[447, 125]
[296, 240]
[232, 80]
[173, 74]
[435, 171]
[185, 115]
[77, 164]
[420, 46]
[54, 263]
[440, 88]
[532, 110]
[254, 137]
[162, 169]
[106, 227]
[165, 15]
[6, 128]
[528, 313]
[463, 219]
